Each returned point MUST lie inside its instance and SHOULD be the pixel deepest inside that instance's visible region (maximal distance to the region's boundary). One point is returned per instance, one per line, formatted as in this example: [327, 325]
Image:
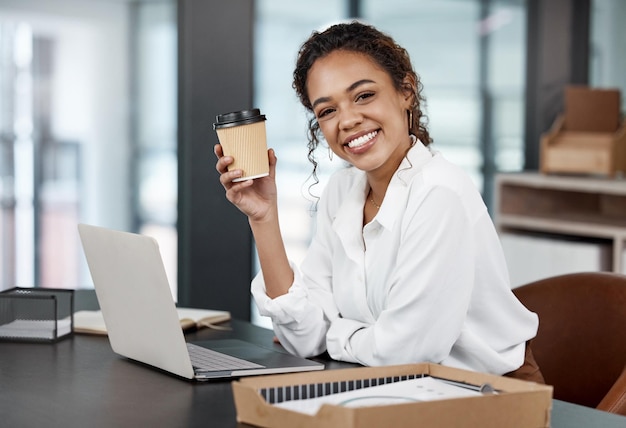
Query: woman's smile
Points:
[361, 144]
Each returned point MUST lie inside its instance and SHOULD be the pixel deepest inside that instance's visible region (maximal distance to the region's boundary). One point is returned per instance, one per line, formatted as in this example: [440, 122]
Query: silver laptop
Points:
[141, 318]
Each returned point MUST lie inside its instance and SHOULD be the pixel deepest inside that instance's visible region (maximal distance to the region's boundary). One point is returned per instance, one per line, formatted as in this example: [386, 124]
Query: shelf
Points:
[589, 184]
[561, 226]
[587, 207]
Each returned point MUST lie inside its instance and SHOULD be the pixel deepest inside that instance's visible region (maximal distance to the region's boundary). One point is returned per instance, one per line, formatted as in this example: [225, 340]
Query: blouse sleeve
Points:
[301, 317]
[428, 293]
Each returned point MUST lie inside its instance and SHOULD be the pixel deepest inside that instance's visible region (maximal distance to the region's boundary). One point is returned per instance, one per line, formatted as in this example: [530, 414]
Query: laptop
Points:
[141, 318]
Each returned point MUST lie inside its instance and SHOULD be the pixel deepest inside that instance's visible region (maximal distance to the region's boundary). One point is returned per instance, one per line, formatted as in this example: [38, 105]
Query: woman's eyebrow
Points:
[358, 83]
[350, 88]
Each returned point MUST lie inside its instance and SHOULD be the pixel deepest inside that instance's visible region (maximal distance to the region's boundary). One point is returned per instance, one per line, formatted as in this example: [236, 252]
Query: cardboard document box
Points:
[514, 403]
[589, 137]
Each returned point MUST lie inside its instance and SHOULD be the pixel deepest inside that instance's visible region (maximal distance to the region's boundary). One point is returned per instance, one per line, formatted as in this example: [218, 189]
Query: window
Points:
[471, 58]
[607, 63]
[88, 97]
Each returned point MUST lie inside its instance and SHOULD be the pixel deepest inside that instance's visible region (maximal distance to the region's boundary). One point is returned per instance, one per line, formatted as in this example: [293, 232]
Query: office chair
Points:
[581, 343]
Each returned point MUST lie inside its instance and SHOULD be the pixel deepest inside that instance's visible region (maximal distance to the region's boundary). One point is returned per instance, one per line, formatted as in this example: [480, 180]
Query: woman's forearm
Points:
[277, 272]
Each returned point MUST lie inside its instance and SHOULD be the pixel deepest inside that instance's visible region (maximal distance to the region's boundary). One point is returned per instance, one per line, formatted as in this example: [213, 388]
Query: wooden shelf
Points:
[565, 227]
[588, 207]
[563, 182]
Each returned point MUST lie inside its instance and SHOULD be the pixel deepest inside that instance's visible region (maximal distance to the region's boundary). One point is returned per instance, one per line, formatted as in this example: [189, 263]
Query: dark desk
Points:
[80, 382]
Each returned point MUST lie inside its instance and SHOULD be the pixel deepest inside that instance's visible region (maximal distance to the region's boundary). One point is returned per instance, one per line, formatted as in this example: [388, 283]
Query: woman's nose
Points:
[349, 118]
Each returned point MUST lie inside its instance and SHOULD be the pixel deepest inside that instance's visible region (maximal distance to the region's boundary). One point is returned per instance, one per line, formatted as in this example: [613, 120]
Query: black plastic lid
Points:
[237, 118]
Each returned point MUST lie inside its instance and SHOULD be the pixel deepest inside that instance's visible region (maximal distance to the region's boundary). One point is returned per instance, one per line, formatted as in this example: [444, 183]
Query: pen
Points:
[485, 388]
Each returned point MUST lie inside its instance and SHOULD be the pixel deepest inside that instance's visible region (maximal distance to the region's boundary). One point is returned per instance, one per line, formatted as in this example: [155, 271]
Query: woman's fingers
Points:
[227, 177]
[235, 193]
[271, 155]
[222, 167]
[222, 161]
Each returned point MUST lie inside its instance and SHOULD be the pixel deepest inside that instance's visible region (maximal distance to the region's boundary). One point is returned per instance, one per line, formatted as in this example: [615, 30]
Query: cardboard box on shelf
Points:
[515, 404]
[589, 137]
[592, 110]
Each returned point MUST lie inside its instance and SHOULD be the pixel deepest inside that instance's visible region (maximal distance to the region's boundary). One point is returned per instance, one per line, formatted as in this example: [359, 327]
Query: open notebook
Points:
[143, 324]
[92, 322]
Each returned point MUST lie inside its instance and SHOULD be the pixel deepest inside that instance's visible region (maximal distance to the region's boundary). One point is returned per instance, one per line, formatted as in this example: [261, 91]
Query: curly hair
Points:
[382, 49]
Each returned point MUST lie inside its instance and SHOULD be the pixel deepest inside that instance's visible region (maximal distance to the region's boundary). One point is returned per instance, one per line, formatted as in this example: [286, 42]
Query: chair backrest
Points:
[581, 343]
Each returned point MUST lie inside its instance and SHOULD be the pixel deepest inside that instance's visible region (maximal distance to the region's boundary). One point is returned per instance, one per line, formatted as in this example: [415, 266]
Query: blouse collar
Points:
[397, 191]
[395, 197]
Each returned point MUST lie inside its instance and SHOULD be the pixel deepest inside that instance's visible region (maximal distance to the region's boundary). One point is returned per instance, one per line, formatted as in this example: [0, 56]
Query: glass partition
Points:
[470, 55]
[87, 97]
[607, 62]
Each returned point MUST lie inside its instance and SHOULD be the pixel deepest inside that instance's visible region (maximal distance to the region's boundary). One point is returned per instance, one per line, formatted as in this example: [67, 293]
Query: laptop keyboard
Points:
[208, 360]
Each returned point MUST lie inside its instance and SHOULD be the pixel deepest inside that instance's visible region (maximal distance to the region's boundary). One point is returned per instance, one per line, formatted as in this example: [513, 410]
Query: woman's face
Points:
[361, 114]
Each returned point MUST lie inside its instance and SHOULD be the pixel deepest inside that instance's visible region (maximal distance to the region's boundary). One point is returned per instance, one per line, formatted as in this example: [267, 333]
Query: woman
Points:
[405, 265]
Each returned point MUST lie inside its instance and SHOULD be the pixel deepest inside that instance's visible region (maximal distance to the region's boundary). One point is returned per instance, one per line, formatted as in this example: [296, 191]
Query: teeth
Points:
[362, 140]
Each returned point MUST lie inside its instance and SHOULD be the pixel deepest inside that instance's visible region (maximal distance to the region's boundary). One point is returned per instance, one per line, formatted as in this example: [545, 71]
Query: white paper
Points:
[36, 329]
[407, 391]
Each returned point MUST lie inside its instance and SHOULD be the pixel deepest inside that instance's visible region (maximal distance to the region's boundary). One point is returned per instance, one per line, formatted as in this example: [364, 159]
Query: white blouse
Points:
[425, 280]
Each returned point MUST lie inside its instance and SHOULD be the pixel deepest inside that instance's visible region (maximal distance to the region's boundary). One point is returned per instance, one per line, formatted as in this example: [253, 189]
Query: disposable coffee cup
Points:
[242, 136]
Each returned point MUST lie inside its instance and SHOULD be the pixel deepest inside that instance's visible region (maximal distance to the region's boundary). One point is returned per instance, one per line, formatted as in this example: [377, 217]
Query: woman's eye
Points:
[364, 96]
[324, 112]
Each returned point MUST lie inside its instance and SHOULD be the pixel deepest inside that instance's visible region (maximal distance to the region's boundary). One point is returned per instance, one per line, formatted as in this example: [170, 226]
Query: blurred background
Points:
[96, 97]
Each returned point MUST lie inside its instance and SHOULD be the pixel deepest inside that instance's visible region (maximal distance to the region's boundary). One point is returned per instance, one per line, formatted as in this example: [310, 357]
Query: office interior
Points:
[107, 106]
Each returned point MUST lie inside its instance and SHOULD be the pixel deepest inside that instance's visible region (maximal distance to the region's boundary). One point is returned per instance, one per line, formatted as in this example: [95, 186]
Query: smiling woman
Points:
[405, 265]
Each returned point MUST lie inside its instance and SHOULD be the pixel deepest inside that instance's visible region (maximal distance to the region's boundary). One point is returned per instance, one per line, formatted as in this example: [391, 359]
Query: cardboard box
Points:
[588, 137]
[517, 403]
[592, 110]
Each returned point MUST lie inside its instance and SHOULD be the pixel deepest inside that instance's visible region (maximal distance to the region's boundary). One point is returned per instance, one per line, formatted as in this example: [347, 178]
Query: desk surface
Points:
[79, 381]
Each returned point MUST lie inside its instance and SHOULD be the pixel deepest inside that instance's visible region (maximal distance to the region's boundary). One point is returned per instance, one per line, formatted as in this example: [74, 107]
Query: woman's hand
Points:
[255, 198]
